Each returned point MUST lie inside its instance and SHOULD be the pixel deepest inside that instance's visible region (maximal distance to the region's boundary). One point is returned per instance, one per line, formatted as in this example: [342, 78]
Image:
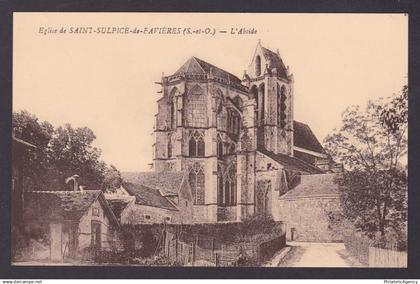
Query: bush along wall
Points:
[179, 244]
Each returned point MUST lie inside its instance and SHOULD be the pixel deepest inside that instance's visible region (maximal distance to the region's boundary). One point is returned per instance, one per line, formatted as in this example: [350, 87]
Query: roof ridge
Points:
[268, 153]
[197, 60]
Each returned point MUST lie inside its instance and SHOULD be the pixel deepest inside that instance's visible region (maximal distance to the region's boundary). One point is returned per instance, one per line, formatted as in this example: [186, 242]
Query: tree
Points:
[112, 179]
[63, 152]
[371, 144]
[27, 127]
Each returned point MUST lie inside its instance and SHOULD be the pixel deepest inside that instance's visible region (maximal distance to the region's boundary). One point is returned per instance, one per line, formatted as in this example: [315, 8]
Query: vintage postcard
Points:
[210, 139]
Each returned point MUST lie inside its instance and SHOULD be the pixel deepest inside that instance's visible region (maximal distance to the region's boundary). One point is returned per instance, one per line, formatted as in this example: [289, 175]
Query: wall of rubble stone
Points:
[306, 218]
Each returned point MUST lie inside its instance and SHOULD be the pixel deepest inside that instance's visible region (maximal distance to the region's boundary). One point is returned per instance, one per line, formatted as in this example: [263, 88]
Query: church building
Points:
[234, 141]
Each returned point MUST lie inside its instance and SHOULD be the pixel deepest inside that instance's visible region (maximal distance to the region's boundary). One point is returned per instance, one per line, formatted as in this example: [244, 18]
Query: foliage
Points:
[112, 179]
[126, 257]
[358, 246]
[62, 152]
[371, 144]
[145, 240]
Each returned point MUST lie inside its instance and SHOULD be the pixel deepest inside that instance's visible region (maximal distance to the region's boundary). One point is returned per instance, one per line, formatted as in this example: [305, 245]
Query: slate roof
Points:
[195, 65]
[292, 163]
[274, 62]
[167, 182]
[314, 185]
[72, 204]
[148, 196]
[304, 138]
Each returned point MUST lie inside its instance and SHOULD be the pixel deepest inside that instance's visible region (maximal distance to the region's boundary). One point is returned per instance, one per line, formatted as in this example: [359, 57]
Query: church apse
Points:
[216, 129]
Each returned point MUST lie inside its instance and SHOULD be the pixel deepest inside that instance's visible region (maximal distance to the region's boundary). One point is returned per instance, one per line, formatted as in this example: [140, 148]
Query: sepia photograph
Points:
[210, 140]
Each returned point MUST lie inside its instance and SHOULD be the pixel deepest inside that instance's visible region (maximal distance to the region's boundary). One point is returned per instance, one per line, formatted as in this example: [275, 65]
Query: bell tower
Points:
[271, 86]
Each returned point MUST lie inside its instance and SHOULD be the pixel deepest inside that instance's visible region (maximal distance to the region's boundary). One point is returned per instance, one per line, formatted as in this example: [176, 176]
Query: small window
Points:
[95, 211]
[168, 219]
[147, 217]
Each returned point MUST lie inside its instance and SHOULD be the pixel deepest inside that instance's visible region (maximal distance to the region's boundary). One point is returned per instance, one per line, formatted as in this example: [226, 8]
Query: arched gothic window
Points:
[219, 109]
[196, 108]
[261, 104]
[258, 65]
[232, 148]
[254, 94]
[169, 146]
[196, 179]
[230, 186]
[234, 121]
[220, 199]
[219, 147]
[281, 106]
[196, 145]
[171, 107]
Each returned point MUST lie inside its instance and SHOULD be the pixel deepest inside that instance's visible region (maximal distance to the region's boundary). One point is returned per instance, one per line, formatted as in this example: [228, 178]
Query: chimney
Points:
[75, 179]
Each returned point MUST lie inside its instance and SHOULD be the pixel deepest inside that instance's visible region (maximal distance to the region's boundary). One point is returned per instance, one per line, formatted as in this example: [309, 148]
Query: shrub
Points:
[358, 246]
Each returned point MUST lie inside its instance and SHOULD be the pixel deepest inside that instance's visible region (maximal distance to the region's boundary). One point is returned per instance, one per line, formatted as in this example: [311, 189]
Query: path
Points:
[307, 254]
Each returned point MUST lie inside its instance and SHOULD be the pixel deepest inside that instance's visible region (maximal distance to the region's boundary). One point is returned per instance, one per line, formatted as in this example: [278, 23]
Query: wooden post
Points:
[193, 253]
[194, 250]
[176, 243]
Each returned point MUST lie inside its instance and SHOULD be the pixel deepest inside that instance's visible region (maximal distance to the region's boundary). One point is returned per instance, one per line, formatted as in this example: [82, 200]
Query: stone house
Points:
[69, 224]
[234, 141]
[152, 198]
[305, 208]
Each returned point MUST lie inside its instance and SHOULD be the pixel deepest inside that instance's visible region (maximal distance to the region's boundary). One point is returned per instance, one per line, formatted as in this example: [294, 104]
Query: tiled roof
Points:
[314, 185]
[274, 62]
[167, 182]
[148, 196]
[73, 204]
[292, 163]
[195, 65]
[303, 137]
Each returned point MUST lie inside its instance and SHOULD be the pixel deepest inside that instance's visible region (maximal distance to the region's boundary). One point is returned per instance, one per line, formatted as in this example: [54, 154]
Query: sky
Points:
[107, 81]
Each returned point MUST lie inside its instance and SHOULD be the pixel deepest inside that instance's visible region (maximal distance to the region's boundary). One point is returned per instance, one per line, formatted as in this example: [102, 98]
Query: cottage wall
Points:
[108, 234]
[309, 217]
[142, 214]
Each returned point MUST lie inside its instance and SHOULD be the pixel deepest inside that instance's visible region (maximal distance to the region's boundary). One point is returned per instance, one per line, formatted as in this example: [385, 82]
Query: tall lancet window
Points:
[196, 179]
[230, 186]
[169, 146]
[171, 107]
[220, 193]
[281, 106]
[258, 65]
[219, 147]
[254, 94]
[196, 115]
[261, 94]
[196, 145]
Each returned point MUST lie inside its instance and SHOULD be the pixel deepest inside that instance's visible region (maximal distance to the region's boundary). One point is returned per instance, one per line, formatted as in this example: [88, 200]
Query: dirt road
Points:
[307, 254]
